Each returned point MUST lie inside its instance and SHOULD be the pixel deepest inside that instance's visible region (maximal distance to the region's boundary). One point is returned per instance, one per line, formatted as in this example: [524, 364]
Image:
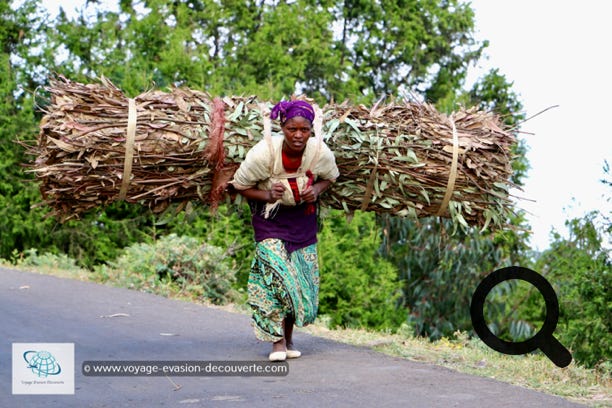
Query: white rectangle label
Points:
[43, 368]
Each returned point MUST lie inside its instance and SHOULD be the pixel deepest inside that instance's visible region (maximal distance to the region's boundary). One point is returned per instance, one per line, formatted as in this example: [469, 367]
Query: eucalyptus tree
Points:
[21, 29]
[356, 50]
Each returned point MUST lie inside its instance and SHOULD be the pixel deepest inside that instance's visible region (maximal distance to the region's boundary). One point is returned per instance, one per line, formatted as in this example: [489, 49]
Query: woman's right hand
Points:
[276, 192]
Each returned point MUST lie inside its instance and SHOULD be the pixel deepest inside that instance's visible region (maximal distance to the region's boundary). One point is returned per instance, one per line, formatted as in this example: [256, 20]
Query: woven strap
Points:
[267, 131]
[129, 149]
[450, 186]
[318, 132]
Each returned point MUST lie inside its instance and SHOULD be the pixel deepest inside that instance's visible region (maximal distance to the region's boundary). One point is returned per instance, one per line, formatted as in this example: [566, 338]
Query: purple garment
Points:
[290, 109]
[294, 225]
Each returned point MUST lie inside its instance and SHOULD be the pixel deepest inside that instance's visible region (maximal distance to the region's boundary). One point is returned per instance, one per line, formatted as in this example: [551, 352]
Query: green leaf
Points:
[236, 112]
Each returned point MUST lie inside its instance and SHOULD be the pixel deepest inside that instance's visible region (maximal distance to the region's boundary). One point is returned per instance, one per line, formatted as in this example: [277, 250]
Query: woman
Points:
[282, 178]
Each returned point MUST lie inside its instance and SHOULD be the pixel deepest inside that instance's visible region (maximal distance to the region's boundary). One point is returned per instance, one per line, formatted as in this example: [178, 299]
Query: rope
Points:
[129, 149]
[215, 153]
[450, 186]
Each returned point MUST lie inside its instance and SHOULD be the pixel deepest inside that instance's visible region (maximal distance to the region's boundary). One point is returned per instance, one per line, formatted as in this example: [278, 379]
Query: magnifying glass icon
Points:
[543, 339]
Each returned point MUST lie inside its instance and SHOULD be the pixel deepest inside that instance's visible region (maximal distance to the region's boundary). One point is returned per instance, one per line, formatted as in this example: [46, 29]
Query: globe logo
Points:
[42, 363]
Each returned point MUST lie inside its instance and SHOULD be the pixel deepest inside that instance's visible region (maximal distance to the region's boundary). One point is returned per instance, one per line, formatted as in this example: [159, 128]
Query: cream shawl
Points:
[263, 166]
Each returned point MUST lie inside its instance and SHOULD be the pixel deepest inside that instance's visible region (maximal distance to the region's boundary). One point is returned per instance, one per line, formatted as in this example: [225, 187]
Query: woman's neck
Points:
[292, 153]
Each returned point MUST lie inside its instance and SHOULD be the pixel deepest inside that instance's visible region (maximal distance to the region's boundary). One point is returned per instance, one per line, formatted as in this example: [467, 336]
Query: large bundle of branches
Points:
[403, 158]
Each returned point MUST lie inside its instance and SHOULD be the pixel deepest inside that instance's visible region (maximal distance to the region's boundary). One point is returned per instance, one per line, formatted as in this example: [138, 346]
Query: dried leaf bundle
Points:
[394, 158]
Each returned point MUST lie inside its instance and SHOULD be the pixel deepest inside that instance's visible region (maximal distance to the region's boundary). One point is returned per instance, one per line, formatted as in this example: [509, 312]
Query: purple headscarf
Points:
[291, 109]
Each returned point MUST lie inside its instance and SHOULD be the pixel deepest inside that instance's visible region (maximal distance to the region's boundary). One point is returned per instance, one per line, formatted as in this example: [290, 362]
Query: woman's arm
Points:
[269, 196]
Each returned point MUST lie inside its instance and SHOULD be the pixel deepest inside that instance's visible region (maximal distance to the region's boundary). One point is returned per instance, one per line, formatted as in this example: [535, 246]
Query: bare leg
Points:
[287, 341]
[280, 345]
[288, 327]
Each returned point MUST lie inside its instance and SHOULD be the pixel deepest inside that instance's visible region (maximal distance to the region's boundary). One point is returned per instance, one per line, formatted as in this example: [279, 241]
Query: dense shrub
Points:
[580, 269]
[358, 287]
[229, 227]
[47, 260]
[179, 263]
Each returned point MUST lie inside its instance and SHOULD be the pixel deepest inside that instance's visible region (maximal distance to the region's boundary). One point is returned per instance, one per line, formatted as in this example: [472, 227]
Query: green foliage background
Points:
[359, 288]
[377, 272]
[580, 270]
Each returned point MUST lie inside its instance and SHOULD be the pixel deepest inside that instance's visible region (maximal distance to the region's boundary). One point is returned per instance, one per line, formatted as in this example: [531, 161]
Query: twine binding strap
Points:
[129, 149]
[450, 186]
[367, 195]
[317, 126]
[267, 129]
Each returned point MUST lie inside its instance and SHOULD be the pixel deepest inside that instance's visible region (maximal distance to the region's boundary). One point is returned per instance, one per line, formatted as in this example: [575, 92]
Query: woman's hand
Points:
[311, 193]
[268, 196]
[276, 193]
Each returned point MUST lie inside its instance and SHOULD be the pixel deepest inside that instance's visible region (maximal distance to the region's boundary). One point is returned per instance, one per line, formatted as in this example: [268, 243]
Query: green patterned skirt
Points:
[282, 284]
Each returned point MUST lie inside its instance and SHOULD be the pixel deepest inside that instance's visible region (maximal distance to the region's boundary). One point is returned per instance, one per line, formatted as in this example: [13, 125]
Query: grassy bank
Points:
[463, 354]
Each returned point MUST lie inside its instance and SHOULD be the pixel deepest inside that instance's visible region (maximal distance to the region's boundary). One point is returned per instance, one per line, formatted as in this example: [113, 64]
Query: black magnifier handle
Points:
[555, 351]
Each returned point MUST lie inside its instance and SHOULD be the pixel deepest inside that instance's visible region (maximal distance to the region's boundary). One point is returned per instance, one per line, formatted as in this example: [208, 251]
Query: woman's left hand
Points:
[310, 194]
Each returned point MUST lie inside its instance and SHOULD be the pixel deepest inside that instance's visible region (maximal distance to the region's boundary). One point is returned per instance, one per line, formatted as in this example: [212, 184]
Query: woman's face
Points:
[297, 131]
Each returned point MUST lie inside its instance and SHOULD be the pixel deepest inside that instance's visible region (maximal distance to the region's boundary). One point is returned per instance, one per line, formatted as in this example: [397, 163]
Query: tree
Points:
[25, 61]
[20, 30]
[330, 50]
[392, 47]
[580, 269]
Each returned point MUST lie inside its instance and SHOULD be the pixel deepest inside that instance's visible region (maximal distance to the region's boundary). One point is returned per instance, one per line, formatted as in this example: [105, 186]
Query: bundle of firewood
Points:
[97, 146]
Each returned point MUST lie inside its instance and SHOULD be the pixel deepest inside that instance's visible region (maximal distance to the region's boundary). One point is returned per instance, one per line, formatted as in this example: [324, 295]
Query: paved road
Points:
[39, 308]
